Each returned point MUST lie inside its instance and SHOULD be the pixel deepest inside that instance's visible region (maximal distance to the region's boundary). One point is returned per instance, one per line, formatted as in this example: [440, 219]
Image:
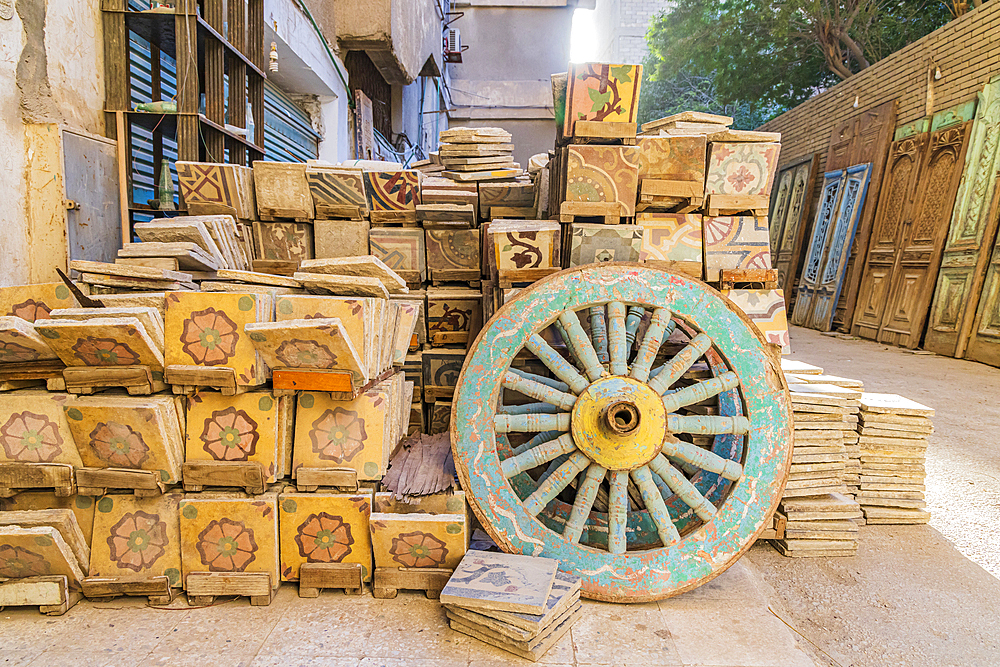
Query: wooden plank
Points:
[246, 474]
[16, 477]
[223, 378]
[96, 481]
[654, 187]
[157, 588]
[256, 278]
[312, 380]
[311, 479]
[316, 576]
[469, 176]
[367, 266]
[214, 584]
[51, 594]
[604, 130]
[188, 255]
[389, 580]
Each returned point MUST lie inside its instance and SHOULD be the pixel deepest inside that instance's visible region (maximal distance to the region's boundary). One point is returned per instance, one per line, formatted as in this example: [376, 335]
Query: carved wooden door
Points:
[923, 240]
[973, 227]
[779, 207]
[984, 345]
[894, 209]
[870, 137]
[828, 204]
[789, 255]
[838, 245]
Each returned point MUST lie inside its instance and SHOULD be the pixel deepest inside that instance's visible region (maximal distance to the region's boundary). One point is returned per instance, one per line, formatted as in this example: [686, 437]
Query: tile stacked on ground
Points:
[520, 604]
[893, 442]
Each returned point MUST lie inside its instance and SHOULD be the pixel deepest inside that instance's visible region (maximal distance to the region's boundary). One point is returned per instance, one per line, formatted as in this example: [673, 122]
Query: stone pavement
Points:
[726, 623]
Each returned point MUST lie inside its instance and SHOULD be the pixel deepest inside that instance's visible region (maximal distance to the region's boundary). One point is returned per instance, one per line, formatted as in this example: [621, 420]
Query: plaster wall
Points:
[51, 78]
[621, 28]
[399, 35]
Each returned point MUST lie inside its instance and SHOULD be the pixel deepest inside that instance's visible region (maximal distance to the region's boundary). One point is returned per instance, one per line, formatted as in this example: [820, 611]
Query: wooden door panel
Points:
[838, 151]
[873, 136]
[838, 245]
[825, 216]
[923, 241]
[789, 256]
[895, 202]
[984, 346]
[779, 207]
[904, 304]
[973, 227]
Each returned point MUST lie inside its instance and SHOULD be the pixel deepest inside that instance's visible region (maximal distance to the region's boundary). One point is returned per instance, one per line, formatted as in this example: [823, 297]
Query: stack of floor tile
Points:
[477, 154]
[819, 513]
[520, 604]
[894, 432]
[848, 424]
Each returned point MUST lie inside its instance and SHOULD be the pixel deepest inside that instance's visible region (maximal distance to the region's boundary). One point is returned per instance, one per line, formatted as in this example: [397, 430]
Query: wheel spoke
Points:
[556, 482]
[544, 436]
[547, 381]
[538, 391]
[618, 513]
[669, 373]
[585, 353]
[531, 423]
[700, 458]
[700, 391]
[528, 409]
[538, 456]
[669, 330]
[585, 495]
[655, 506]
[635, 315]
[573, 354]
[712, 425]
[650, 344]
[555, 363]
[599, 333]
[617, 350]
[684, 489]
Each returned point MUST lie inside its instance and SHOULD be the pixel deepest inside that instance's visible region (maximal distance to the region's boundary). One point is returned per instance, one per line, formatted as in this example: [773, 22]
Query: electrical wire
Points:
[326, 45]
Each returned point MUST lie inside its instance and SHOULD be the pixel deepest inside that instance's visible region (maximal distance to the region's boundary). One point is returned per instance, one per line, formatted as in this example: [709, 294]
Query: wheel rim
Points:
[596, 475]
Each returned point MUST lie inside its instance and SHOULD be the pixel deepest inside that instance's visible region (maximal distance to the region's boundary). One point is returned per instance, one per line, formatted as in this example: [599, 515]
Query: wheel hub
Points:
[619, 423]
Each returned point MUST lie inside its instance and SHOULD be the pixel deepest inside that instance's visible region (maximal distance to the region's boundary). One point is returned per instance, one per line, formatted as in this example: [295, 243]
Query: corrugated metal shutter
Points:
[289, 135]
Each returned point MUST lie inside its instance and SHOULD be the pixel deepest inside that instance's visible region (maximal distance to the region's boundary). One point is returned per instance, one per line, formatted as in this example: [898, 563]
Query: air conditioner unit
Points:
[453, 46]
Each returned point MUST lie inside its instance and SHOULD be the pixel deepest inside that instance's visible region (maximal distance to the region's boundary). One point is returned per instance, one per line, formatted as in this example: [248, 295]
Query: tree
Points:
[780, 53]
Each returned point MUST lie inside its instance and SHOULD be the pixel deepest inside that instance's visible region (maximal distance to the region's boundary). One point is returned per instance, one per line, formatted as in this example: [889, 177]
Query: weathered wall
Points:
[51, 77]
[967, 51]
[504, 77]
[398, 35]
[621, 28]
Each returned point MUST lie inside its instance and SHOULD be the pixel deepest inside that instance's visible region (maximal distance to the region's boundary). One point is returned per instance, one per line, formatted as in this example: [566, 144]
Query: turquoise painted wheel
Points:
[628, 421]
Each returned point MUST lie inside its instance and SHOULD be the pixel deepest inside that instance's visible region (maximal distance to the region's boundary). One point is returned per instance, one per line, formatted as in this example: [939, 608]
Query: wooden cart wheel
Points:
[645, 478]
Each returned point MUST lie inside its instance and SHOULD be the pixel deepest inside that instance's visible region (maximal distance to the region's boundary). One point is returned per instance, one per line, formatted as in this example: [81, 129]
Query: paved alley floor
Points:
[725, 623]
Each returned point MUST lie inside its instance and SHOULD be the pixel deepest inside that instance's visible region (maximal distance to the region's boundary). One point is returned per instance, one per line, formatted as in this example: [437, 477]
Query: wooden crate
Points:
[454, 316]
[325, 528]
[128, 432]
[230, 534]
[248, 428]
[205, 330]
[282, 191]
[453, 255]
[136, 539]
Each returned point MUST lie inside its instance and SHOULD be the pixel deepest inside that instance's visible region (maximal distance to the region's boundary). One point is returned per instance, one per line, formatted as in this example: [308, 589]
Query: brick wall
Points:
[967, 51]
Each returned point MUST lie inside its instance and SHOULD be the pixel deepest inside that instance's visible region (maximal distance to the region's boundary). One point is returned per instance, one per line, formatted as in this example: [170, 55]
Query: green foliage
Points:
[762, 57]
